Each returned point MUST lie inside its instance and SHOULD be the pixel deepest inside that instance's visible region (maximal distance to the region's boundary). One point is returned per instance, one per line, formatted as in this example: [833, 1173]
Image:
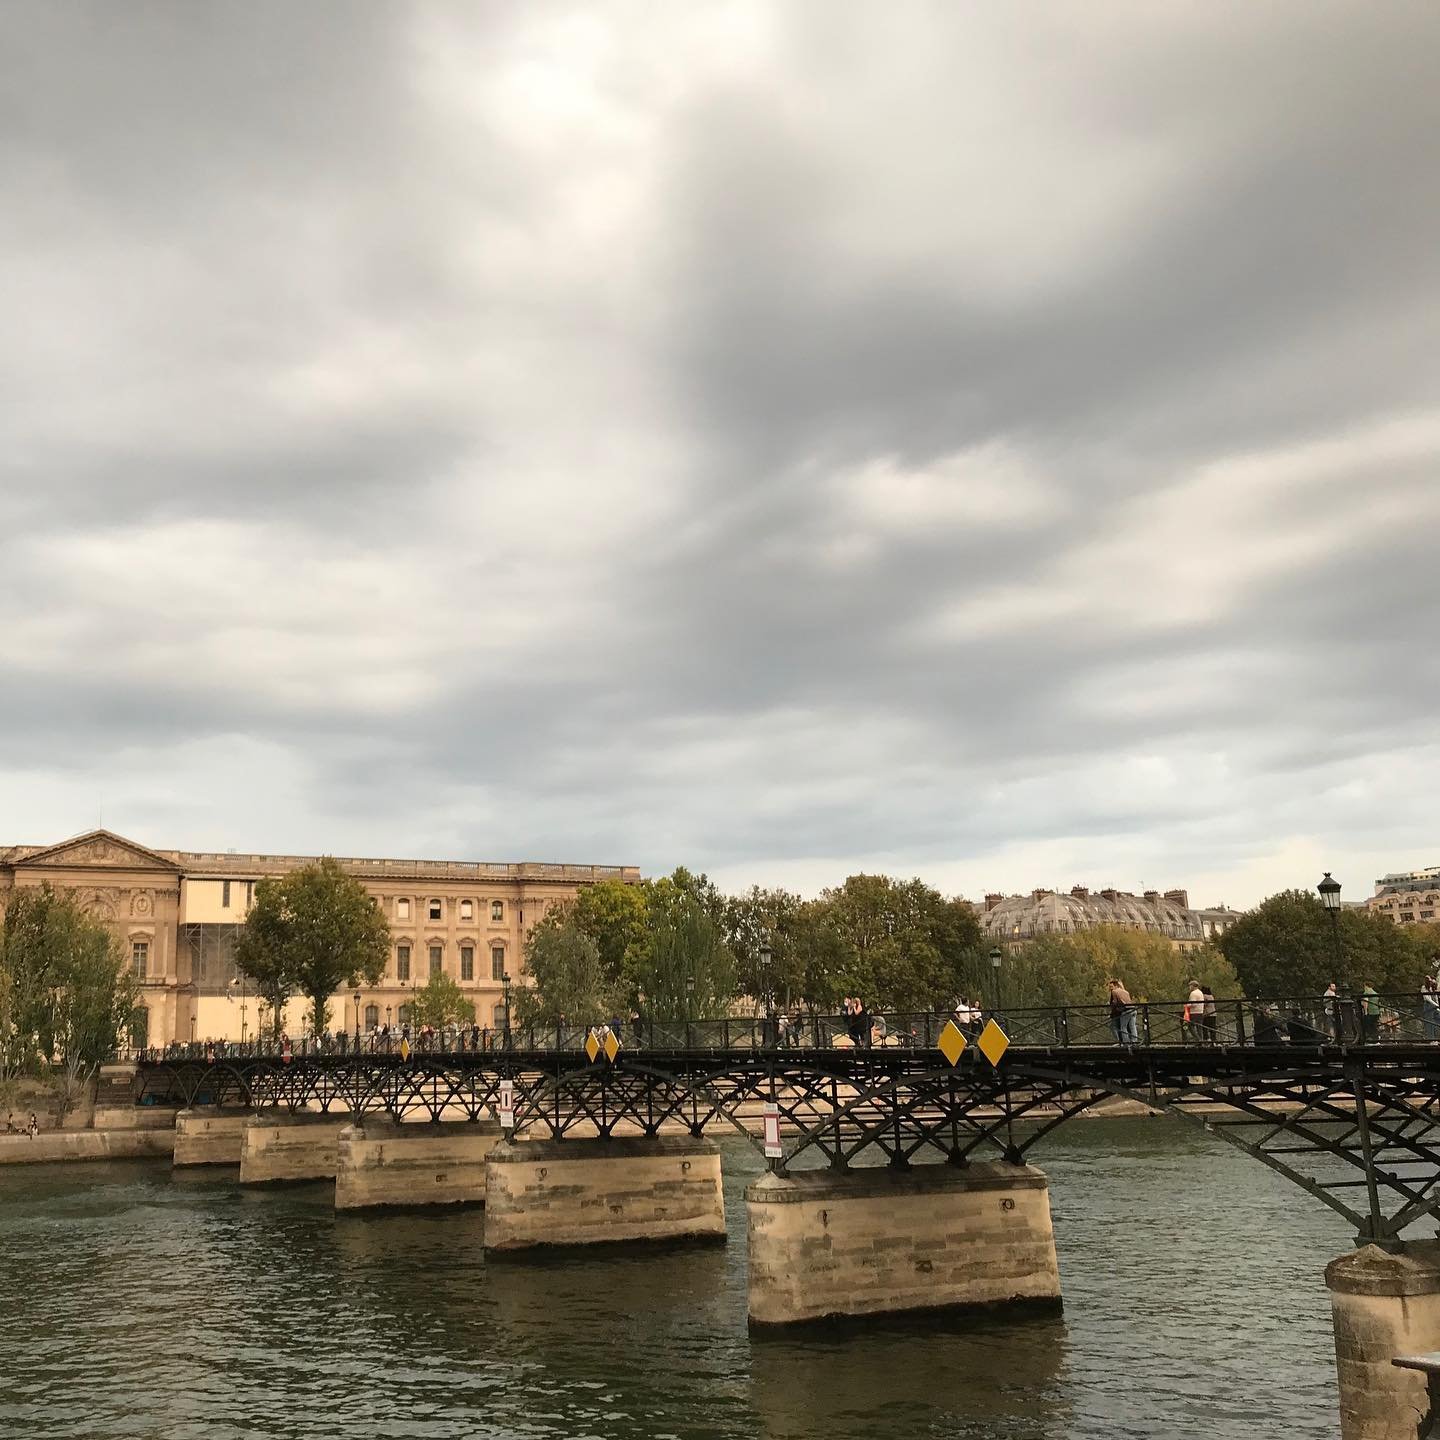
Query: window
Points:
[1427, 914]
[437, 959]
[467, 909]
[497, 1016]
[437, 909]
[249, 893]
[404, 1016]
[139, 957]
[497, 911]
[402, 962]
[402, 909]
[467, 962]
[224, 894]
[497, 962]
[372, 1017]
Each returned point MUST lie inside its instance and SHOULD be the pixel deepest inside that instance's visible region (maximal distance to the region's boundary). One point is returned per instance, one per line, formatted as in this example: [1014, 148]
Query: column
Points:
[829, 1243]
[206, 1136]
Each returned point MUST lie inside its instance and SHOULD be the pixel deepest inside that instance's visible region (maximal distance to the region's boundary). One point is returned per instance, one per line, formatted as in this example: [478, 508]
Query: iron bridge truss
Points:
[1357, 1129]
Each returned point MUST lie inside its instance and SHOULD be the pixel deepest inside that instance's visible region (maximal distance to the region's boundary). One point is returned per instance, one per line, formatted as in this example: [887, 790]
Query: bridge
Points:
[605, 1137]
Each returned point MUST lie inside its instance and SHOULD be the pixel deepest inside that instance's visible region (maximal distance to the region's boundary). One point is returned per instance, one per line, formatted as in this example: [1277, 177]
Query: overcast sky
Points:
[995, 443]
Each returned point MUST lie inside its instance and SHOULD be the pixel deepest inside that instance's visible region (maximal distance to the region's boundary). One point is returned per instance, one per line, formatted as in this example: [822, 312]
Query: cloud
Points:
[777, 440]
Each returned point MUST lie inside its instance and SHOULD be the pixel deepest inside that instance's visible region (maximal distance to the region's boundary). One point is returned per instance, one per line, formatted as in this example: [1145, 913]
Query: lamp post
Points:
[1329, 890]
[996, 956]
[766, 955]
[505, 982]
[358, 998]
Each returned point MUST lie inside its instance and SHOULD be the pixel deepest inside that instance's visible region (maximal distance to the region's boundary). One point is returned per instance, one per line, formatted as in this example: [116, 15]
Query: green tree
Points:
[616, 917]
[907, 946]
[311, 932]
[567, 979]
[440, 1002]
[66, 996]
[1286, 948]
[687, 970]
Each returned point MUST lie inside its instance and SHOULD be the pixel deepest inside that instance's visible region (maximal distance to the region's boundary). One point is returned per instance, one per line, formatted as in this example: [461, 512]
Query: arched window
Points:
[497, 1016]
[140, 1027]
[404, 1016]
[372, 1017]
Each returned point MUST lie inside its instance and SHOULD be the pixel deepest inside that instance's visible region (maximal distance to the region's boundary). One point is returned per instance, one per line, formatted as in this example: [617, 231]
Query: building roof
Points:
[1053, 912]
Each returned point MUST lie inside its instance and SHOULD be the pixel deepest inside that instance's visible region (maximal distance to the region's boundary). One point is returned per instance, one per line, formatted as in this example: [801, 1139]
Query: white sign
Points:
[773, 1149]
[507, 1104]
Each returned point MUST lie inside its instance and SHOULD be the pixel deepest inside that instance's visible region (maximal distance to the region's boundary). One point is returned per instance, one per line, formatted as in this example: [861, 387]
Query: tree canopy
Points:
[312, 932]
[440, 1002]
[66, 994]
[1286, 947]
[568, 983]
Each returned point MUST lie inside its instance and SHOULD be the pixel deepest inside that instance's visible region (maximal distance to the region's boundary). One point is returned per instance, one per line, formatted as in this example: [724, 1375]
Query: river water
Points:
[138, 1304]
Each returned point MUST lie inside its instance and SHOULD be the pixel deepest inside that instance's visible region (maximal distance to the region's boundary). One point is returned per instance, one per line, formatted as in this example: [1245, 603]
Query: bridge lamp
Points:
[1329, 889]
[358, 998]
[996, 956]
[505, 981]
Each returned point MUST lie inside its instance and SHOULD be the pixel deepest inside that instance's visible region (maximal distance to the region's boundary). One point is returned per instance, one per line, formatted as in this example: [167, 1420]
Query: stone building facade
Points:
[177, 913]
[1408, 897]
[1015, 919]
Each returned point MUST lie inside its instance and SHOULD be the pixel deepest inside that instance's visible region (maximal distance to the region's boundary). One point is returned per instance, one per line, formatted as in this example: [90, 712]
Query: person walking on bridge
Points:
[1122, 1015]
[1192, 1024]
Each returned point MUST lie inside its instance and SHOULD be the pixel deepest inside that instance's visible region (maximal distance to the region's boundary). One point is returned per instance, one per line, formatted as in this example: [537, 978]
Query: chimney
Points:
[1152, 895]
[1080, 892]
[1038, 894]
[991, 901]
[1110, 894]
[1179, 897]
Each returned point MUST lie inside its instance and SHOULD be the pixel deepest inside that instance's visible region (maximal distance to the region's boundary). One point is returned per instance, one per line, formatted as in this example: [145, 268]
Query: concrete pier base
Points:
[586, 1192]
[1384, 1304]
[210, 1137]
[278, 1146]
[382, 1164]
[829, 1243]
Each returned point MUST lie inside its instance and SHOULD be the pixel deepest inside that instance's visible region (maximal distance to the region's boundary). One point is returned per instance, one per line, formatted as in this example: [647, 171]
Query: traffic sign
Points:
[773, 1149]
[507, 1104]
[993, 1042]
[952, 1042]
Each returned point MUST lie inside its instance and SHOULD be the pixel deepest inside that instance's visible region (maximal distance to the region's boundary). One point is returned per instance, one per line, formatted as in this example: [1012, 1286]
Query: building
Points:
[1013, 919]
[1408, 897]
[177, 914]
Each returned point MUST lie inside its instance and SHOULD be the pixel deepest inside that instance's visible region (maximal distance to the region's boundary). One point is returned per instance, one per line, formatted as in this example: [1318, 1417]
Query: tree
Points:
[66, 996]
[567, 978]
[440, 1002]
[311, 932]
[686, 970]
[907, 946]
[616, 917]
[1285, 948]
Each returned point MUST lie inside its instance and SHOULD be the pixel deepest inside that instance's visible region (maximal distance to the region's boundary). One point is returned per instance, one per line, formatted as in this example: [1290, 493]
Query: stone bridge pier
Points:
[278, 1145]
[587, 1192]
[1385, 1303]
[382, 1164]
[207, 1136]
[830, 1243]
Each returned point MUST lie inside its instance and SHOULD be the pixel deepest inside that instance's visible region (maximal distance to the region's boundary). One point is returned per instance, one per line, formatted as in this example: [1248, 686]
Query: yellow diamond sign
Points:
[592, 1045]
[612, 1047]
[952, 1042]
[993, 1043]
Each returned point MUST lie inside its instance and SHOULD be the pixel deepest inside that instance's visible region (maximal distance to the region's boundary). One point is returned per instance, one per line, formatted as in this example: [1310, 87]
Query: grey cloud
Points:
[520, 357]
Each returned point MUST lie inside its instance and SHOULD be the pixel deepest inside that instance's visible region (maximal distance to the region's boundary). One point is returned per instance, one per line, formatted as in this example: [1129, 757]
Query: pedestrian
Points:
[34, 1126]
[1370, 1013]
[862, 1023]
[1122, 1014]
[1192, 1019]
[879, 1031]
[1330, 1009]
[1210, 1018]
[1430, 1010]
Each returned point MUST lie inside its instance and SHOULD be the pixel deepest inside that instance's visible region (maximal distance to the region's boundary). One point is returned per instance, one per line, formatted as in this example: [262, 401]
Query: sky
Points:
[990, 443]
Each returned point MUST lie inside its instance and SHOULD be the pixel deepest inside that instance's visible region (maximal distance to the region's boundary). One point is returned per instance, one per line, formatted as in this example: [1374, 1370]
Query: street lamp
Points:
[765, 957]
[240, 981]
[996, 956]
[358, 998]
[1329, 889]
[505, 981]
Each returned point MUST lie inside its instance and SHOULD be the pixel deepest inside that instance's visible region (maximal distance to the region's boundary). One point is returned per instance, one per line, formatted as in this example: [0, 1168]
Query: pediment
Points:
[98, 850]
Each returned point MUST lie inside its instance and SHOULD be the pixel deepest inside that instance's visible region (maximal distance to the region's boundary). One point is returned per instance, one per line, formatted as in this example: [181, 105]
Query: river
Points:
[140, 1304]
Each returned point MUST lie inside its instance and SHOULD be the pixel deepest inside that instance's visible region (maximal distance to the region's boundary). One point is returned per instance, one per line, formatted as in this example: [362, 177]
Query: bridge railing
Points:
[1409, 1019]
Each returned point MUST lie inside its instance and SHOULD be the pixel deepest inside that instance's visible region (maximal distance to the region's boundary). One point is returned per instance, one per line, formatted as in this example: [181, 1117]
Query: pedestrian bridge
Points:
[899, 1174]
